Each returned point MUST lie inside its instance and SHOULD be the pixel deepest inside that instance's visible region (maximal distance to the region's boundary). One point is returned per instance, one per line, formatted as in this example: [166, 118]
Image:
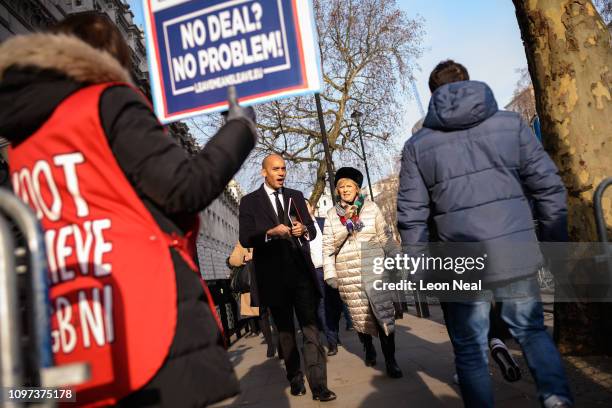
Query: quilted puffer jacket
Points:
[469, 172]
[353, 267]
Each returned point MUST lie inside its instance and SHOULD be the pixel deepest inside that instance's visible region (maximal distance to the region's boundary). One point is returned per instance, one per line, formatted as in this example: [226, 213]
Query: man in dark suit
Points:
[274, 222]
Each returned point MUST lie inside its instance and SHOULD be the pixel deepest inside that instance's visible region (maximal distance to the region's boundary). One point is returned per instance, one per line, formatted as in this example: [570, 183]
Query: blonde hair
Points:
[347, 179]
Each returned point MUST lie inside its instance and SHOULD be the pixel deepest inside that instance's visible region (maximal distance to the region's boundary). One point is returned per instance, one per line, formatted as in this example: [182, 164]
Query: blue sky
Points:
[483, 35]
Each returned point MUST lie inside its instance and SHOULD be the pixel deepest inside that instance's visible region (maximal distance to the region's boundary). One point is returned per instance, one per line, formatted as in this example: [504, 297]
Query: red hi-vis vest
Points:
[113, 287]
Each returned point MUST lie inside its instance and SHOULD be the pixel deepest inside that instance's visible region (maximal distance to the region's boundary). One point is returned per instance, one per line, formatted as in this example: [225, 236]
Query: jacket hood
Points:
[460, 105]
[38, 71]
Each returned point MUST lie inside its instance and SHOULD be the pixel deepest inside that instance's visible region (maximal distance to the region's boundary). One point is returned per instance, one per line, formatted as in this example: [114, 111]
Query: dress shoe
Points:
[370, 355]
[271, 351]
[324, 395]
[393, 370]
[298, 388]
[332, 350]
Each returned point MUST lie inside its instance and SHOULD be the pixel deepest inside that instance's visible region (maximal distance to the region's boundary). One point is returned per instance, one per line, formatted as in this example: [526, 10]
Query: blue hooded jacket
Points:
[468, 173]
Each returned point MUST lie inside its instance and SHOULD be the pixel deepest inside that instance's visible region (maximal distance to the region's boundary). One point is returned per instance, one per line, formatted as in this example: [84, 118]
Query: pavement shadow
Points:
[427, 366]
[236, 354]
[425, 355]
[589, 377]
[262, 386]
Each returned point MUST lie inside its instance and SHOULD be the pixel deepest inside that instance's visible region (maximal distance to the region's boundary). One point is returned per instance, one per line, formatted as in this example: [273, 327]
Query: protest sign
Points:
[196, 49]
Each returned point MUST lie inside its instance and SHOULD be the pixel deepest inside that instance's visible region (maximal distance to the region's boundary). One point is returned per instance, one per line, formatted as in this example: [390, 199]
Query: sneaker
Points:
[507, 364]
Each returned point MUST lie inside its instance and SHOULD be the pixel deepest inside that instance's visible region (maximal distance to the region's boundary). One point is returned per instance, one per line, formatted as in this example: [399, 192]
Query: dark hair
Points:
[97, 30]
[446, 72]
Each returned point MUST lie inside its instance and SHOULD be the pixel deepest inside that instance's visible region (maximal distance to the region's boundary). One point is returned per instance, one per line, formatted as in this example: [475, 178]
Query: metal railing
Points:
[600, 221]
[26, 357]
[11, 373]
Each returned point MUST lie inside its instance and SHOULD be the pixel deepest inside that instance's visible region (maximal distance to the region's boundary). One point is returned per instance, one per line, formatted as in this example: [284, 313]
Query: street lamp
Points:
[356, 116]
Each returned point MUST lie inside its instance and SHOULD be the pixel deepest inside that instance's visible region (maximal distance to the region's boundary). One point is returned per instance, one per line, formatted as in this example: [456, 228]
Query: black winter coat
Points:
[276, 261]
[172, 185]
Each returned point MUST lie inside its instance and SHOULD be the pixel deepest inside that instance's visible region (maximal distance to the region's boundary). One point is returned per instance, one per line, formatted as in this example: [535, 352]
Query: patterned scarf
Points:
[353, 223]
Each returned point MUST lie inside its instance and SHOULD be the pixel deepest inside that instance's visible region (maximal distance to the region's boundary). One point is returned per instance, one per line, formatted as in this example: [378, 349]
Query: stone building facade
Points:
[219, 233]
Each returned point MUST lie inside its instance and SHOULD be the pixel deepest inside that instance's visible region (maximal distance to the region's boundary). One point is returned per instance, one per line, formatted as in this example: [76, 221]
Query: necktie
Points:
[279, 209]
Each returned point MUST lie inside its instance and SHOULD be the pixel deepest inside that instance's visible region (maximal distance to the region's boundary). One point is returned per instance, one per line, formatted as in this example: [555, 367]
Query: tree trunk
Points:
[570, 60]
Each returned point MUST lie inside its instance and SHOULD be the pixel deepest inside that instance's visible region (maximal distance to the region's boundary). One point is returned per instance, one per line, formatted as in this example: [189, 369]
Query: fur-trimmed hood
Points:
[38, 71]
[62, 53]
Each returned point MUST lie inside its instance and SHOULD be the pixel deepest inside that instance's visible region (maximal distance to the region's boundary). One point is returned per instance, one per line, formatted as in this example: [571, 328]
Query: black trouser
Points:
[305, 302]
[387, 342]
[266, 325]
[497, 327]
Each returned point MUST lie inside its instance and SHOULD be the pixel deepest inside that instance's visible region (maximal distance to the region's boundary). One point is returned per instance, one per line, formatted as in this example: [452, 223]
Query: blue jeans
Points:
[467, 323]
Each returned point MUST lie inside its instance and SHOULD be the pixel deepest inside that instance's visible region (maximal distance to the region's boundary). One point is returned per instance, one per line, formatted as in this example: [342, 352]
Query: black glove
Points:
[237, 112]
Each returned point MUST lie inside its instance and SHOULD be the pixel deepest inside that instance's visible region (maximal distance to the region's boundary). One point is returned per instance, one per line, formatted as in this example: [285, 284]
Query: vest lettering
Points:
[49, 238]
[108, 313]
[53, 213]
[101, 247]
[91, 321]
[67, 333]
[27, 195]
[68, 162]
[83, 248]
[64, 251]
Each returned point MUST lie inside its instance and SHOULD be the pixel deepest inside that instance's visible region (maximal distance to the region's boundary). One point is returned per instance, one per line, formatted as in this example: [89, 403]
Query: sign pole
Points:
[328, 157]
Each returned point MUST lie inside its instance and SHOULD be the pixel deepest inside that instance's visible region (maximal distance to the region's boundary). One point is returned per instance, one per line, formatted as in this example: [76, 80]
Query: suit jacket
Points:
[277, 261]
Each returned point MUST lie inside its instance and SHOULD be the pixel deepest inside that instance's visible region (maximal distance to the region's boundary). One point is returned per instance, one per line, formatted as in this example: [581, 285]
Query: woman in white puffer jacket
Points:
[354, 235]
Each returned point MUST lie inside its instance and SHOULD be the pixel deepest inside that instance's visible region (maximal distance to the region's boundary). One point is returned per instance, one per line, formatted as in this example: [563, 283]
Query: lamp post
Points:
[328, 157]
[356, 116]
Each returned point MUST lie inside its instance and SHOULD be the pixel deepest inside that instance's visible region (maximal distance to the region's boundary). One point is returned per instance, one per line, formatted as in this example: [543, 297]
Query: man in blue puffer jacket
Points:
[468, 173]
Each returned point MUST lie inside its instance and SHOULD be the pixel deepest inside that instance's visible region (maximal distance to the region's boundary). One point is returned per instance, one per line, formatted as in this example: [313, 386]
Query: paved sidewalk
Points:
[424, 353]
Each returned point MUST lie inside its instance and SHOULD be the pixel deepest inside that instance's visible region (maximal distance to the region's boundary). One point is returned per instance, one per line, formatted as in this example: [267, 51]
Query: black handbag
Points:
[241, 278]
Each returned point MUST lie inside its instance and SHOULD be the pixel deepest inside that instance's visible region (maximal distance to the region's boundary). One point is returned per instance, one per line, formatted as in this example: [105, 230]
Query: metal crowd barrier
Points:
[603, 260]
[600, 221]
[26, 359]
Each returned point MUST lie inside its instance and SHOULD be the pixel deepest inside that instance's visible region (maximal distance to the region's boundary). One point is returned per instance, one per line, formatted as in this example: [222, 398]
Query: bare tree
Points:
[523, 99]
[368, 50]
[386, 199]
[605, 9]
[569, 55]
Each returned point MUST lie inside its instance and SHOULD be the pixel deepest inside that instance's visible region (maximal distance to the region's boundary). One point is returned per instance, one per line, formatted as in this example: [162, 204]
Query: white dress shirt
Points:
[316, 247]
[270, 191]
